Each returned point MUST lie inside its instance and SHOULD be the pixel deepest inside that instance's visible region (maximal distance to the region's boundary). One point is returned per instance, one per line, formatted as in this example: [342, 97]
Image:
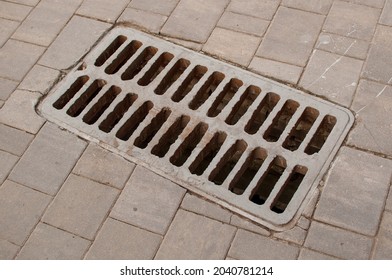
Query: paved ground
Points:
[64, 198]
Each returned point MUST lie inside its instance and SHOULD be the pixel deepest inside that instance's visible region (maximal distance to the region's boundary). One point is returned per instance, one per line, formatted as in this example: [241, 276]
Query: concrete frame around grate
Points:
[316, 164]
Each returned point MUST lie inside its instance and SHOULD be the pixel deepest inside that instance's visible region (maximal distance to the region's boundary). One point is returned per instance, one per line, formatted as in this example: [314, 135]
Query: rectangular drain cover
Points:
[246, 142]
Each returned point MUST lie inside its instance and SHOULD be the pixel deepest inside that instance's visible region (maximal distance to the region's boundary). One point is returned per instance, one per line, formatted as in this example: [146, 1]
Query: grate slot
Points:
[86, 97]
[129, 127]
[110, 50]
[190, 81]
[71, 92]
[281, 120]
[321, 135]
[160, 64]
[206, 90]
[170, 136]
[268, 181]
[174, 73]
[262, 112]
[138, 64]
[149, 131]
[123, 57]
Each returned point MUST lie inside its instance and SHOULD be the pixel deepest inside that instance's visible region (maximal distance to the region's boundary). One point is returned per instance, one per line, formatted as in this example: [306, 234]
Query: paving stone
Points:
[251, 246]
[307, 254]
[303, 223]
[163, 7]
[101, 9]
[19, 112]
[13, 11]
[388, 205]
[13, 140]
[45, 22]
[248, 225]
[295, 235]
[386, 14]
[103, 166]
[63, 52]
[7, 27]
[39, 79]
[371, 3]
[338, 242]
[146, 20]
[6, 88]
[48, 160]
[315, 6]
[234, 46]
[262, 9]
[332, 76]
[291, 36]
[383, 248]
[351, 20]
[49, 243]
[276, 69]
[117, 240]
[22, 56]
[20, 210]
[7, 162]
[195, 237]
[148, 201]
[187, 44]
[203, 207]
[373, 131]
[25, 2]
[378, 66]
[1, 104]
[242, 23]
[7, 250]
[311, 206]
[354, 194]
[198, 16]
[80, 206]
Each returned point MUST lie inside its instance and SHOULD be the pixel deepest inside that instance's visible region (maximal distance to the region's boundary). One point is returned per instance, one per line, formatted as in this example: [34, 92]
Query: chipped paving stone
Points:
[100, 9]
[144, 19]
[39, 79]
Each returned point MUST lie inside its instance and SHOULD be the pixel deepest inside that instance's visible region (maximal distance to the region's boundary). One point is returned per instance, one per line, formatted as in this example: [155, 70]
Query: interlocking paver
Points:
[383, 247]
[25, 2]
[352, 20]
[315, 6]
[372, 103]
[195, 237]
[103, 166]
[148, 201]
[378, 66]
[307, 254]
[248, 225]
[338, 242]
[291, 36]
[13, 140]
[203, 207]
[46, 21]
[100, 9]
[48, 160]
[276, 69]
[198, 16]
[388, 204]
[310, 207]
[74, 41]
[6, 88]
[354, 194]
[7, 162]
[22, 56]
[19, 111]
[250, 246]
[371, 3]
[39, 79]
[80, 206]
[13, 11]
[7, 27]
[119, 241]
[303, 223]
[7, 250]
[187, 44]
[164, 7]
[386, 13]
[146, 20]
[234, 46]
[332, 76]
[242, 23]
[295, 235]
[20, 209]
[262, 9]
[49, 243]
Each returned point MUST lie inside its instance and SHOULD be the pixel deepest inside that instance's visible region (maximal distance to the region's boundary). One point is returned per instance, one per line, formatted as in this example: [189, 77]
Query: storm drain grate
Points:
[246, 142]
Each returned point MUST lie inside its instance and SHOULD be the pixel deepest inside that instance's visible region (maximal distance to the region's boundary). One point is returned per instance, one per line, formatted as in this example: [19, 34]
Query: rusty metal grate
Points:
[245, 142]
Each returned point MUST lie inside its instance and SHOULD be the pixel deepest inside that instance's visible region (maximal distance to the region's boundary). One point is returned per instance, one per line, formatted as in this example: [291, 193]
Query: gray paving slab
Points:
[338, 242]
[262, 9]
[81, 206]
[13, 11]
[355, 191]
[13, 140]
[148, 201]
[189, 14]
[1, 103]
[371, 3]
[386, 14]
[20, 210]
[120, 241]
[7, 162]
[103, 166]
[315, 6]
[303, 222]
[25, 2]
[7, 250]
[291, 36]
[6, 88]
[187, 44]
[163, 7]
[7, 27]
[295, 235]
[63, 52]
[39, 79]
[243, 23]
[196, 237]
[100, 9]
[50, 243]
[243, 223]
[388, 204]
[307, 254]
[250, 246]
[383, 247]
[149, 21]
[48, 160]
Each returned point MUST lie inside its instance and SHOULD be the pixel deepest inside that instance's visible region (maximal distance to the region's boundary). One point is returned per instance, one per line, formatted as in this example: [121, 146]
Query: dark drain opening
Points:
[138, 64]
[224, 97]
[123, 57]
[174, 73]
[110, 50]
[206, 90]
[71, 92]
[321, 135]
[190, 81]
[155, 69]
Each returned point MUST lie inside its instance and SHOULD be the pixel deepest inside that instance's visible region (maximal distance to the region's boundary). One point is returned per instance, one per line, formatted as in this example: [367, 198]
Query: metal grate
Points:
[245, 142]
